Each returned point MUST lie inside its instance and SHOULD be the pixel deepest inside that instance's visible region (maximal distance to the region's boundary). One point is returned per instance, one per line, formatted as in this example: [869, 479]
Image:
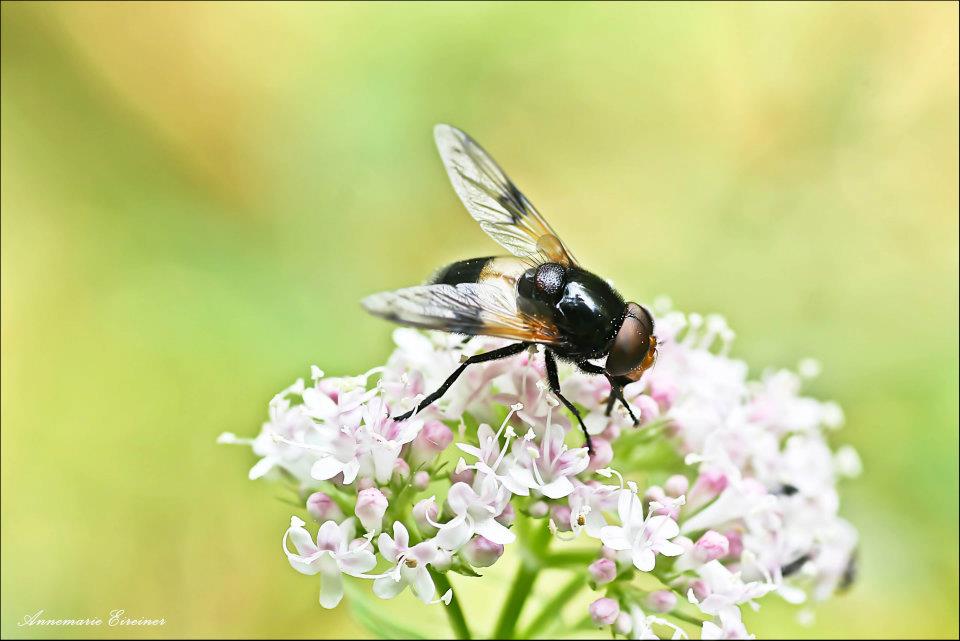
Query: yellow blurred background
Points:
[195, 196]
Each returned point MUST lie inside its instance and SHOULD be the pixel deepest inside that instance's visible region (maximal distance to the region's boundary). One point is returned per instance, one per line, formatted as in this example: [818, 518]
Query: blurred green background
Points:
[194, 198]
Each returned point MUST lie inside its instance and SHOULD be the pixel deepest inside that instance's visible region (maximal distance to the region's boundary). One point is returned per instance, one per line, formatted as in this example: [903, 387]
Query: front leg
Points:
[616, 389]
[554, 381]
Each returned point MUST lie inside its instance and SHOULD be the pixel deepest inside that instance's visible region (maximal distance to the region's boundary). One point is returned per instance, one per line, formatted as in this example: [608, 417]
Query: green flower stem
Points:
[577, 558]
[454, 613]
[686, 618]
[549, 612]
[530, 564]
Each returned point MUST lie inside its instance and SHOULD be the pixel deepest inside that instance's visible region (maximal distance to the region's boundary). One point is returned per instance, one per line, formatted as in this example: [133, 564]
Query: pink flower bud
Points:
[401, 468]
[735, 541]
[676, 485]
[466, 476]
[602, 455]
[481, 552]
[662, 601]
[424, 512]
[322, 508]
[602, 571]
[604, 611]
[421, 480]
[712, 545]
[508, 516]
[700, 589]
[711, 482]
[608, 553]
[561, 516]
[371, 506]
[539, 509]
[624, 624]
[611, 433]
[433, 438]
[649, 408]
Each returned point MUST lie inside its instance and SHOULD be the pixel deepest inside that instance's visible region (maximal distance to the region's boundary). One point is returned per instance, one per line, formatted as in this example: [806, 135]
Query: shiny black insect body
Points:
[537, 296]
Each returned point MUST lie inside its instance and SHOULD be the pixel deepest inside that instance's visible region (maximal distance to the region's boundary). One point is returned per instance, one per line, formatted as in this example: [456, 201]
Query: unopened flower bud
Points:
[735, 542]
[539, 509]
[434, 437]
[662, 601]
[676, 485]
[508, 516]
[604, 611]
[712, 545]
[602, 454]
[561, 515]
[423, 512]
[421, 480]
[602, 571]
[371, 506]
[623, 624]
[401, 469]
[323, 508]
[463, 476]
[711, 483]
[649, 408]
[608, 553]
[700, 589]
[481, 552]
[611, 433]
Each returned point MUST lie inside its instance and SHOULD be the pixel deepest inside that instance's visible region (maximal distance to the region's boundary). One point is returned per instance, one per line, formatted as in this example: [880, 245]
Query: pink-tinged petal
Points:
[329, 537]
[615, 537]
[662, 527]
[387, 548]
[471, 450]
[357, 561]
[331, 583]
[454, 534]
[400, 535]
[302, 541]
[424, 552]
[629, 508]
[261, 468]
[557, 489]
[326, 468]
[387, 587]
[523, 477]
[666, 548]
[422, 584]
[383, 458]
[350, 471]
[514, 486]
[495, 532]
[318, 404]
[644, 559]
[460, 497]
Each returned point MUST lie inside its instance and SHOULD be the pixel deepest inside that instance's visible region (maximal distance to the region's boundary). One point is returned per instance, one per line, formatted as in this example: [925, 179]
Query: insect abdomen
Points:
[462, 271]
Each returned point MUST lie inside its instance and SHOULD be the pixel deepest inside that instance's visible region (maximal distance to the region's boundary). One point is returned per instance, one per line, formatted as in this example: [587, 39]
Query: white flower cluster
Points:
[725, 493]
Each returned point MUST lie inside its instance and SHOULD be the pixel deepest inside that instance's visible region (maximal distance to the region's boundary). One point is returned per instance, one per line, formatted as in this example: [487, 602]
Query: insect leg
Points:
[616, 389]
[554, 381]
[497, 354]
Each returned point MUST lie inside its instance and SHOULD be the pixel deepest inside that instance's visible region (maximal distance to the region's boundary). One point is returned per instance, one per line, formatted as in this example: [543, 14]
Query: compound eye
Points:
[632, 343]
[549, 281]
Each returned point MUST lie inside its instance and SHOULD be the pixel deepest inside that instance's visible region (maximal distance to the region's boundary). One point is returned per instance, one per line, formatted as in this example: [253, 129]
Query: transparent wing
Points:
[467, 308]
[495, 202]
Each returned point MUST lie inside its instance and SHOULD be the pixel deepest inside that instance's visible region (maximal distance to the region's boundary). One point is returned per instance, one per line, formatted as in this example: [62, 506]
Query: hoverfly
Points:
[537, 296]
